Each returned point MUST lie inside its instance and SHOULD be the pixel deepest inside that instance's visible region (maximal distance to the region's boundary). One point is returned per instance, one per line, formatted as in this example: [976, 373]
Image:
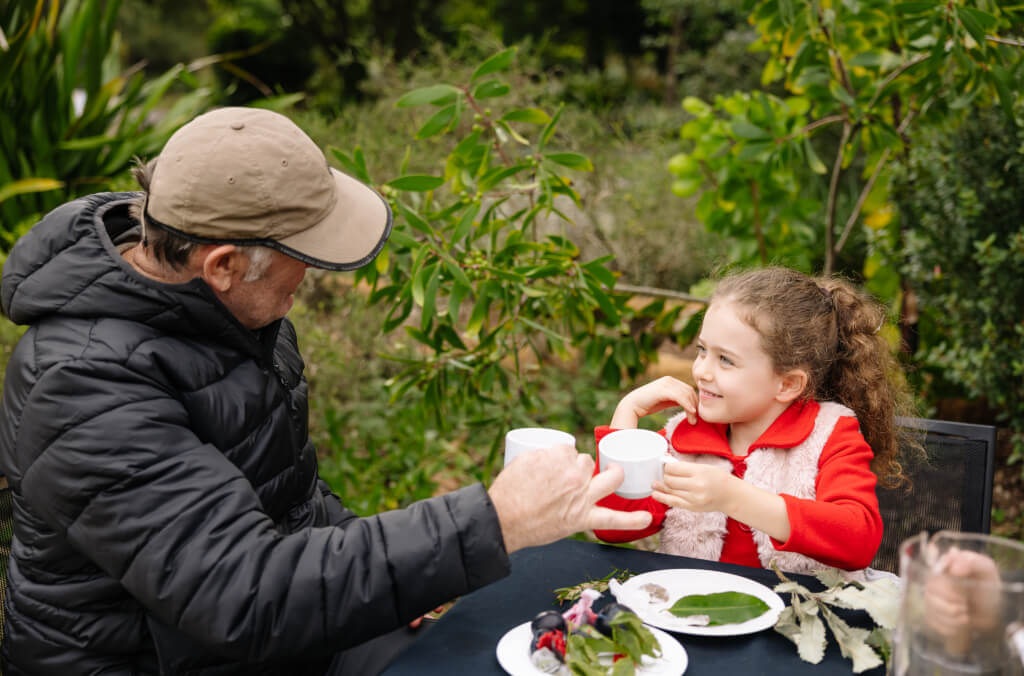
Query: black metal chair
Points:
[951, 490]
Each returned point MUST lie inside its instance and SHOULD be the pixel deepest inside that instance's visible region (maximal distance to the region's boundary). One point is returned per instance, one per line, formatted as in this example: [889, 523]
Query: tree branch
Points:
[893, 75]
[1005, 41]
[762, 248]
[811, 127]
[855, 214]
[833, 192]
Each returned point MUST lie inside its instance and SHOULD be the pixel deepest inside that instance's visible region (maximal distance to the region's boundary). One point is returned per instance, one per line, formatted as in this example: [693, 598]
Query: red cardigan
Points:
[842, 527]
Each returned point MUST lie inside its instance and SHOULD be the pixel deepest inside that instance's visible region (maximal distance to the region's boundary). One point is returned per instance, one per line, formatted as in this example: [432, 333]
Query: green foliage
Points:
[479, 271]
[72, 116]
[776, 174]
[969, 182]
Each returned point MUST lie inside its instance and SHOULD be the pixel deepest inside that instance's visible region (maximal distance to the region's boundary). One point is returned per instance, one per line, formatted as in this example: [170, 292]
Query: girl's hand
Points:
[695, 486]
[657, 395]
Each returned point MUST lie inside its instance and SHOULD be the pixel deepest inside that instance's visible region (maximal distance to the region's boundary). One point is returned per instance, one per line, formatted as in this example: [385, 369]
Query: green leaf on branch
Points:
[720, 607]
[499, 61]
[745, 130]
[416, 183]
[545, 135]
[491, 89]
[971, 24]
[433, 94]
[528, 115]
[572, 160]
[437, 123]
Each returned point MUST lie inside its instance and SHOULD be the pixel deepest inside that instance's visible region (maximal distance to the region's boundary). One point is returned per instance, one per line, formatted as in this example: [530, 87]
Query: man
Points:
[168, 514]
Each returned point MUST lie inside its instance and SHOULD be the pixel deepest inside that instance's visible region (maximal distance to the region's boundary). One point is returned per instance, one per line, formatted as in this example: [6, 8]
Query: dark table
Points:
[463, 641]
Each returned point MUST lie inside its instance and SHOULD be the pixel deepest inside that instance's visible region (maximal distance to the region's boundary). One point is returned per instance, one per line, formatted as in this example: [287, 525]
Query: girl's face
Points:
[736, 381]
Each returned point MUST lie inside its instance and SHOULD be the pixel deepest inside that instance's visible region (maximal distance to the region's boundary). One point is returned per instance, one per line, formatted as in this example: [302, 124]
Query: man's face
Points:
[258, 303]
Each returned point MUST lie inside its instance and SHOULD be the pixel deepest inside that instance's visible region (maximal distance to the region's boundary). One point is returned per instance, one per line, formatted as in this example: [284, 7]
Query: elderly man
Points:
[168, 514]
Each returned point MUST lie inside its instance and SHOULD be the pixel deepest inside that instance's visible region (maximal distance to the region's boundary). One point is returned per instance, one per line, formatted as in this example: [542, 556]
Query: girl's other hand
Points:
[694, 486]
[657, 395]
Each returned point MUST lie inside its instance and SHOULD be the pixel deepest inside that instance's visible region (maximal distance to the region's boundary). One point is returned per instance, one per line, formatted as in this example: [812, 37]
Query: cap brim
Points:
[352, 233]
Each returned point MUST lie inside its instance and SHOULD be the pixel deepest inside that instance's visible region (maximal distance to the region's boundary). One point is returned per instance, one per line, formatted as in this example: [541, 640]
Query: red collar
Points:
[789, 429]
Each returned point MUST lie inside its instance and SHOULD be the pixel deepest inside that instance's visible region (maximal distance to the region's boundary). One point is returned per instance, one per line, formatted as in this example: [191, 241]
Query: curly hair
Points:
[829, 329]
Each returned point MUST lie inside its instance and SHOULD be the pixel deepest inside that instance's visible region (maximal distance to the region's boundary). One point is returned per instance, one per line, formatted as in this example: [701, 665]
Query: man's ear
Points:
[223, 266]
[791, 385]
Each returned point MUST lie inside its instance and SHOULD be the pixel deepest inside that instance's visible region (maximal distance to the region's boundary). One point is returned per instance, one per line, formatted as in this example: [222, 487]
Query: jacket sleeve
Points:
[126, 482]
[845, 504]
[613, 501]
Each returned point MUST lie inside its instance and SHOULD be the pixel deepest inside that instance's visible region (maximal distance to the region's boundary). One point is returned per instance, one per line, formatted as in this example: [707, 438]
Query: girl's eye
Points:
[701, 349]
[726, 361]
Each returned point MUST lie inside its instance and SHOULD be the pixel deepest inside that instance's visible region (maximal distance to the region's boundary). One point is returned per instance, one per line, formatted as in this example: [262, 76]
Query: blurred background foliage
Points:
[537, 196]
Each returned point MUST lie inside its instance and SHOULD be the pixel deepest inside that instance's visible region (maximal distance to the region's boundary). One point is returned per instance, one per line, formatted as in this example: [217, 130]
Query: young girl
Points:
[794, 390]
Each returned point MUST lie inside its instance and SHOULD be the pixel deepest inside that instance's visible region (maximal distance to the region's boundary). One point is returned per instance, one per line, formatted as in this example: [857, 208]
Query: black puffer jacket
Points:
[168, 514]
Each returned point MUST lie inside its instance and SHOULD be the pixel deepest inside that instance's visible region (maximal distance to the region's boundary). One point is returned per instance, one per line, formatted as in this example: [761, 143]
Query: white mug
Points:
[641, 454]
[528, 438]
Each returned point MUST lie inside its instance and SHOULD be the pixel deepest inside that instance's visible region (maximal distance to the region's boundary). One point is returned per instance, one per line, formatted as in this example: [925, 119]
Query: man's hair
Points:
[173, 249]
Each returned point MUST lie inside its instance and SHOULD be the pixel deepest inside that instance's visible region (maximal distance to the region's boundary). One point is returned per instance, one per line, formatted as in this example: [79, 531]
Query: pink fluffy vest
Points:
[780, 470]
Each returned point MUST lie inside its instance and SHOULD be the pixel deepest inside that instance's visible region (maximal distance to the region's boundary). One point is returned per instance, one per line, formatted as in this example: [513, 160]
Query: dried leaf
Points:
[880, 598]
[830, 577]
[852, 642]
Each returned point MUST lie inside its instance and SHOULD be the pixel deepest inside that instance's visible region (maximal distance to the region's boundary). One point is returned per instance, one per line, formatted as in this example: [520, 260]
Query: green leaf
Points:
[416, 183]
[438, 121]
[465, 225]
[745, 130]
[28, 185]
[813, 161]
[571, 160]
[546, 133]
[528, 115]
[720, 607]
[456, 272]
[491, 89]
[432, 94]
[695, 106]
[914, 7]
[972, 25]
[499, 61]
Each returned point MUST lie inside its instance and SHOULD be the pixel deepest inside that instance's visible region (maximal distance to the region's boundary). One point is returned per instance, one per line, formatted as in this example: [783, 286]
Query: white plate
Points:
[514, 654]
[680, 582]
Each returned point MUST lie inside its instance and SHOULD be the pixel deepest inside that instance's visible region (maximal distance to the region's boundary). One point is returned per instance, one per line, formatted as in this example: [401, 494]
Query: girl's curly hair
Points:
[830, 329]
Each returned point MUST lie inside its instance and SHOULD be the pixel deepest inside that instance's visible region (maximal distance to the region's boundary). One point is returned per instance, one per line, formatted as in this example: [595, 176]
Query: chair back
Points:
[950, 490]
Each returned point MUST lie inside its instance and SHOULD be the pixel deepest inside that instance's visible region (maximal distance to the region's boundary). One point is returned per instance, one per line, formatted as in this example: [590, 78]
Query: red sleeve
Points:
[842, 527]
[613, 501]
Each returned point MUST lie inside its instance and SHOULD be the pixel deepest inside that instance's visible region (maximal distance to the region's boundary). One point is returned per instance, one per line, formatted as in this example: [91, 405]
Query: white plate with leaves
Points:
[700, 602]
[513, 652]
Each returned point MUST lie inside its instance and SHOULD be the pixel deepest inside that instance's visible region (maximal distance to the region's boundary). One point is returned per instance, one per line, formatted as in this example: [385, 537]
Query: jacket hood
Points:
[68, 265]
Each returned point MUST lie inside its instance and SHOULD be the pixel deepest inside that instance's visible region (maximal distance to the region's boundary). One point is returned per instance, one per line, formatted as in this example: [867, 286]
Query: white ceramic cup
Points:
[528, 438]
[641, 454]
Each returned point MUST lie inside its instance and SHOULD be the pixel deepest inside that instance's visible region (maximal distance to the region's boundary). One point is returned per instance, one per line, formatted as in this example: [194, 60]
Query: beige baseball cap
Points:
[251, 176]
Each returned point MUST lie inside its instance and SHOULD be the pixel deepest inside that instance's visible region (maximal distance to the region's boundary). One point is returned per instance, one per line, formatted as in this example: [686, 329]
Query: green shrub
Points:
[72, 117]
[961, 204]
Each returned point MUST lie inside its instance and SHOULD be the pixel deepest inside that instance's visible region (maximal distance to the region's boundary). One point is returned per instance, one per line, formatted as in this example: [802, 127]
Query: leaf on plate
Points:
[721, 607]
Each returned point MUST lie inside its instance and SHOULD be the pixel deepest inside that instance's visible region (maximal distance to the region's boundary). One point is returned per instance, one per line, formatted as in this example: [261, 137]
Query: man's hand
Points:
[657, 395]
[548, 494]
